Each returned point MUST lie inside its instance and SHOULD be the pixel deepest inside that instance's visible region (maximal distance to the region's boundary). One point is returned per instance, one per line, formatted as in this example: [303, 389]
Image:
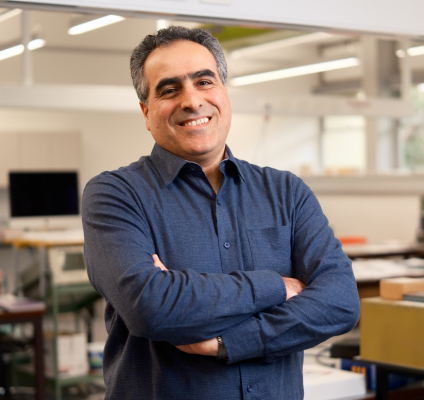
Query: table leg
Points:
[382, 383]
[16, 265]
[39, 359]
[42, 251]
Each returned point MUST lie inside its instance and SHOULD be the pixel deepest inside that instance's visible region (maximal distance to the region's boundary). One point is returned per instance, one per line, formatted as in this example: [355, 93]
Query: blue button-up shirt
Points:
[225, 255]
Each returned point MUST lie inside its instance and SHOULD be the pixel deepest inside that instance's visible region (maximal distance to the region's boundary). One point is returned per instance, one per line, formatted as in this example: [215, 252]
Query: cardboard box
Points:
[72, 354]
[392, 332]
[395, 288]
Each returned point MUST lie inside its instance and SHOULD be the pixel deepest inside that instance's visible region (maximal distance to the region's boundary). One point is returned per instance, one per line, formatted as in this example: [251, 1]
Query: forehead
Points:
[177, 60]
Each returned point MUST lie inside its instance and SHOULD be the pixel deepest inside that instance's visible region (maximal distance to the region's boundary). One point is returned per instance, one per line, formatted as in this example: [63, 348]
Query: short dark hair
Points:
[165, 37]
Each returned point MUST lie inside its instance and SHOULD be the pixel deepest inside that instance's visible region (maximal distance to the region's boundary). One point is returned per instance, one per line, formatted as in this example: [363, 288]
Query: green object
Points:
[225, 33]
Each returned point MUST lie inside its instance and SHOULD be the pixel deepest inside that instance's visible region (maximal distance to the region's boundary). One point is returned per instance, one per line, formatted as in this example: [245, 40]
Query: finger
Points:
[293, 287]
[158, 263]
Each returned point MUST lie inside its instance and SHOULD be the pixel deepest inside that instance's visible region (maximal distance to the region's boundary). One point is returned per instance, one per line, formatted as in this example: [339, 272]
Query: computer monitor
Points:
[43, 198]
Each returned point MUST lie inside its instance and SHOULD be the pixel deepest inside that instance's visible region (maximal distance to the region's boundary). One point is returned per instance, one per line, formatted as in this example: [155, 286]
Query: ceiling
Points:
[101, 57]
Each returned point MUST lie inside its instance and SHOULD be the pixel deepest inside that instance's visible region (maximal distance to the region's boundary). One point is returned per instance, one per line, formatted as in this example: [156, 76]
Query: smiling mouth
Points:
[196, 122]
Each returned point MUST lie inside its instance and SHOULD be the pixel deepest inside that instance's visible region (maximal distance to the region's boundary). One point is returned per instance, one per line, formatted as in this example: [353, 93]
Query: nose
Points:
[191, 99]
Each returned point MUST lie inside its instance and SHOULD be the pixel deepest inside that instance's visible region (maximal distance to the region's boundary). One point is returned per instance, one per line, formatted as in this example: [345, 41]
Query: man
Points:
[217, 273]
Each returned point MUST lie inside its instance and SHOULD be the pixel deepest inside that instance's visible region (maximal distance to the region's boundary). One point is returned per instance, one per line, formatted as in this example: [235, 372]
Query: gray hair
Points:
[165, 37]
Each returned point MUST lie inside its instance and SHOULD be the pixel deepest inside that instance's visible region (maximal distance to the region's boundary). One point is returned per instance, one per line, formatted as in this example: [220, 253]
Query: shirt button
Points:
[193, 168]
[227, 245]
[249, 388]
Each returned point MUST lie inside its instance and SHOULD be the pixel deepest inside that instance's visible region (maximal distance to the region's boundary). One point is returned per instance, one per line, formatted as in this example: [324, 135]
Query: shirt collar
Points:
[229, 157]
[169, 165]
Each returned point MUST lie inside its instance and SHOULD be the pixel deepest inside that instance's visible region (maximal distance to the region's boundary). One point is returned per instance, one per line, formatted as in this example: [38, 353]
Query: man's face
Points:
[189, 110]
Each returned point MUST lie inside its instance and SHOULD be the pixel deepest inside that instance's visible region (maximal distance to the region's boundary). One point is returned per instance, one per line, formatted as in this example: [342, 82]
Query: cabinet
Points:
[38, 151]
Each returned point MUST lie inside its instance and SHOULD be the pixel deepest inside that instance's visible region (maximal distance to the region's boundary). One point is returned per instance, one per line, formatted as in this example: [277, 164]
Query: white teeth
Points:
[198, 122]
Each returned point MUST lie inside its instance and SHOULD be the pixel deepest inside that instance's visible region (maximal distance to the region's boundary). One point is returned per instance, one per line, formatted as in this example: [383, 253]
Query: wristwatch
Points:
[222, 351]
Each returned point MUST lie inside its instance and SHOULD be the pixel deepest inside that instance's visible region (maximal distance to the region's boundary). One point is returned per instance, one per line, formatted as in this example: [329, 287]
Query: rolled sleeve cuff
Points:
[269, 288]
[243, 341]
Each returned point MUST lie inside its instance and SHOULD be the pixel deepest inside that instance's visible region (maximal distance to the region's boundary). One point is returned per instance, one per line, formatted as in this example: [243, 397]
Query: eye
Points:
[168, 92]
[204, 83]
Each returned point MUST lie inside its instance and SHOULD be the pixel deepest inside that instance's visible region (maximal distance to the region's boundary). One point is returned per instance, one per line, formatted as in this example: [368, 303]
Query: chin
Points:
[200, 150]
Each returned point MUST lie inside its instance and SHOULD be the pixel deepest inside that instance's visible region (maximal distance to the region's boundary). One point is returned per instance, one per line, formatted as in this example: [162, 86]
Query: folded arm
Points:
[179, 307]
[209, 347]
[327, 306]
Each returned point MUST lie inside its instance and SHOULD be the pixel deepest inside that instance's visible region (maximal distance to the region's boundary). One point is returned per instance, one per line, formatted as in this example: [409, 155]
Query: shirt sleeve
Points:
[327, 306]
[180, 307]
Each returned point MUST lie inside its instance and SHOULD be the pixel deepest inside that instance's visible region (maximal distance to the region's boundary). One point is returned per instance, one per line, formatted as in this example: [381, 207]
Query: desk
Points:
[405, 250]
[36, 318]
[42, 241]
[369, 272]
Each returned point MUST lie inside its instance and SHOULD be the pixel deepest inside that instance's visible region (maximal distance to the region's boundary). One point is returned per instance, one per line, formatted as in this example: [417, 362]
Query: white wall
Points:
[284, 143]
[112, 140]
[116, 139]
[109, 140]
[378, 217]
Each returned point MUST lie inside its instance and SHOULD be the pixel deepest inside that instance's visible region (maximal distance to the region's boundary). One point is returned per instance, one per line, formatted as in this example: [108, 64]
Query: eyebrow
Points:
[203, 72]
[194, 75]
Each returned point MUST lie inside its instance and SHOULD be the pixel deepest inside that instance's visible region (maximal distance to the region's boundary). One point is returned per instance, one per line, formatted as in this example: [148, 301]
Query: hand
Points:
[293, 287]
[206, 348]
[158, 263]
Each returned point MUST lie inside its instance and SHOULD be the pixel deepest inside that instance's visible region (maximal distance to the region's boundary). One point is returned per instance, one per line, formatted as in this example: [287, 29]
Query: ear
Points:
[145, 110]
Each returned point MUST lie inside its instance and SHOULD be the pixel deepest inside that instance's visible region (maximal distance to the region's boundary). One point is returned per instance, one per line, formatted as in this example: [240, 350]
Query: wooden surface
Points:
[395, 288]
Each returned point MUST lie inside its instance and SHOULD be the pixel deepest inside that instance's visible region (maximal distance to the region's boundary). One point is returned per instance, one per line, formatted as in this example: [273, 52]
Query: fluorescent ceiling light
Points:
[19, 49]
[11, 51]
[295, 71]
[36, 44]
[94, 24]
[412, 51]
[162, 24]
[10, 14]
[278, 44]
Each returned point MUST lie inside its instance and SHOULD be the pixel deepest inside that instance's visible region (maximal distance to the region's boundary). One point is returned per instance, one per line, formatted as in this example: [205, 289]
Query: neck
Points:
[211, 170]
[215, 179]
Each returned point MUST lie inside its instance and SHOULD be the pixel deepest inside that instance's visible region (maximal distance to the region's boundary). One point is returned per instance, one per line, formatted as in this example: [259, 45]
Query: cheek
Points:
[157, 119]
[223, 104]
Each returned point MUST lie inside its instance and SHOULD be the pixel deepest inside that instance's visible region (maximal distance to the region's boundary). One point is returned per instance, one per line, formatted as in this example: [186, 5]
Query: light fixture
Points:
[10, 14]
[19, 49]
[94, 24]
[36, 44]
[295, 71]
[162, 24]
[278, 44]
[412, 51]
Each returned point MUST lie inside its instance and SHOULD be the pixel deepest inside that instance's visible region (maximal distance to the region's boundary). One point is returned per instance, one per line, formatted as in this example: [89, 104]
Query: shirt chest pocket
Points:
[271, 249]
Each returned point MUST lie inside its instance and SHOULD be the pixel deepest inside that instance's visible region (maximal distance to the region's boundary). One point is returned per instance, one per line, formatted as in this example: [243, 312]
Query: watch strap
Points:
[222, 351]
